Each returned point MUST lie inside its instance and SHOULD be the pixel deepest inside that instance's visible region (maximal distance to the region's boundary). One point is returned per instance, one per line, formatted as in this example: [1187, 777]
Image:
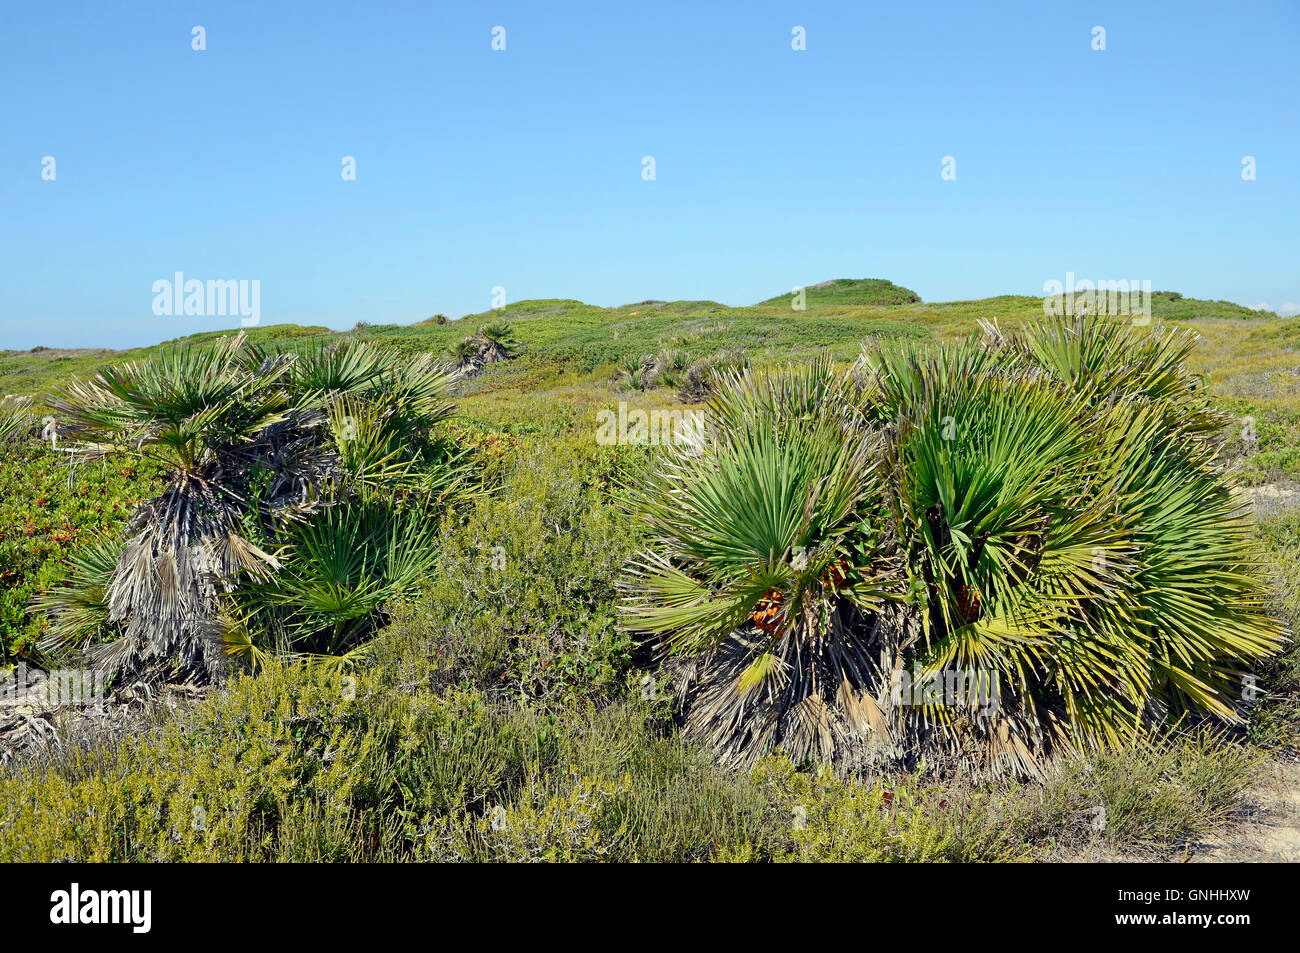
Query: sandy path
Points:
[1267, 826]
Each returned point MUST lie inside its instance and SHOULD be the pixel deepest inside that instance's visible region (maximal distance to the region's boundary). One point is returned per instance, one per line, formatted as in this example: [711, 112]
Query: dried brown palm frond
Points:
[24, 729]
[813, 697]
[184, 549]
[841, 700]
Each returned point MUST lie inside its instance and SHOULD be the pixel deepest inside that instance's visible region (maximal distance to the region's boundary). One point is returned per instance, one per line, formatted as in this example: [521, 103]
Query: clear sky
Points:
[523, 168]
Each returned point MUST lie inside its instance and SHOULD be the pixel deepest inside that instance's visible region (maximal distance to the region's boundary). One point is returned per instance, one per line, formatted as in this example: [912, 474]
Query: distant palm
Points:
[492, 344]
[500, 336]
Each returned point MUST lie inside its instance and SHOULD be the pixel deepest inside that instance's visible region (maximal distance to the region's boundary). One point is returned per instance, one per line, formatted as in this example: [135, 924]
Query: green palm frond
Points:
[499, 332]
[340, 368]
[341, 570]
[78, 607]
[369, 441]
[465, 350]
[1200, 592]
[1112, 361]
[183, 406]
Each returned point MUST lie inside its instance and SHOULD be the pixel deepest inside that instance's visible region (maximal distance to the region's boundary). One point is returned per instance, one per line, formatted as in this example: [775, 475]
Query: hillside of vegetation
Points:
[494, 703]
[848, 292]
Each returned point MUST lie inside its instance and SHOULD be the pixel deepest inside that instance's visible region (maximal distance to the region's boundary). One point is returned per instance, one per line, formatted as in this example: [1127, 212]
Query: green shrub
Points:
[522, 598]
[210, 785]
[297, 764]
[1158, 794]
[830, 819]
[230, 779]
[619, 790]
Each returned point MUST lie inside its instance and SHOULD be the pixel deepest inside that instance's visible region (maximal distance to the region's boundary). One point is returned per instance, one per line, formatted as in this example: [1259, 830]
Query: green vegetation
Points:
[482, 697]
[1171, 306]
[300, 765]
[850, 291]
[46, 521]
[1041, 514]
[294, 486]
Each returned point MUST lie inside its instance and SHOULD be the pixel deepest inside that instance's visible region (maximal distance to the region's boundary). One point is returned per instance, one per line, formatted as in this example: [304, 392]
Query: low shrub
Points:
[522, 598]
[831, 819]
[298, 764]
[1159, 794]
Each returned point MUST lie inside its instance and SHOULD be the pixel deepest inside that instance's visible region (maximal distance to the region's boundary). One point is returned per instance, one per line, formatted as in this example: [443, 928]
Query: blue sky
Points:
[523, 169]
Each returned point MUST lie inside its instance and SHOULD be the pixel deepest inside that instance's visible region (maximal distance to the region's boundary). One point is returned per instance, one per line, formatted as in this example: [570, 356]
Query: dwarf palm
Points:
[1067, 531]
[998, 498]
[196, 410]
[1062, 539]
[253, 443]
[757, 572]
[500, 341]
